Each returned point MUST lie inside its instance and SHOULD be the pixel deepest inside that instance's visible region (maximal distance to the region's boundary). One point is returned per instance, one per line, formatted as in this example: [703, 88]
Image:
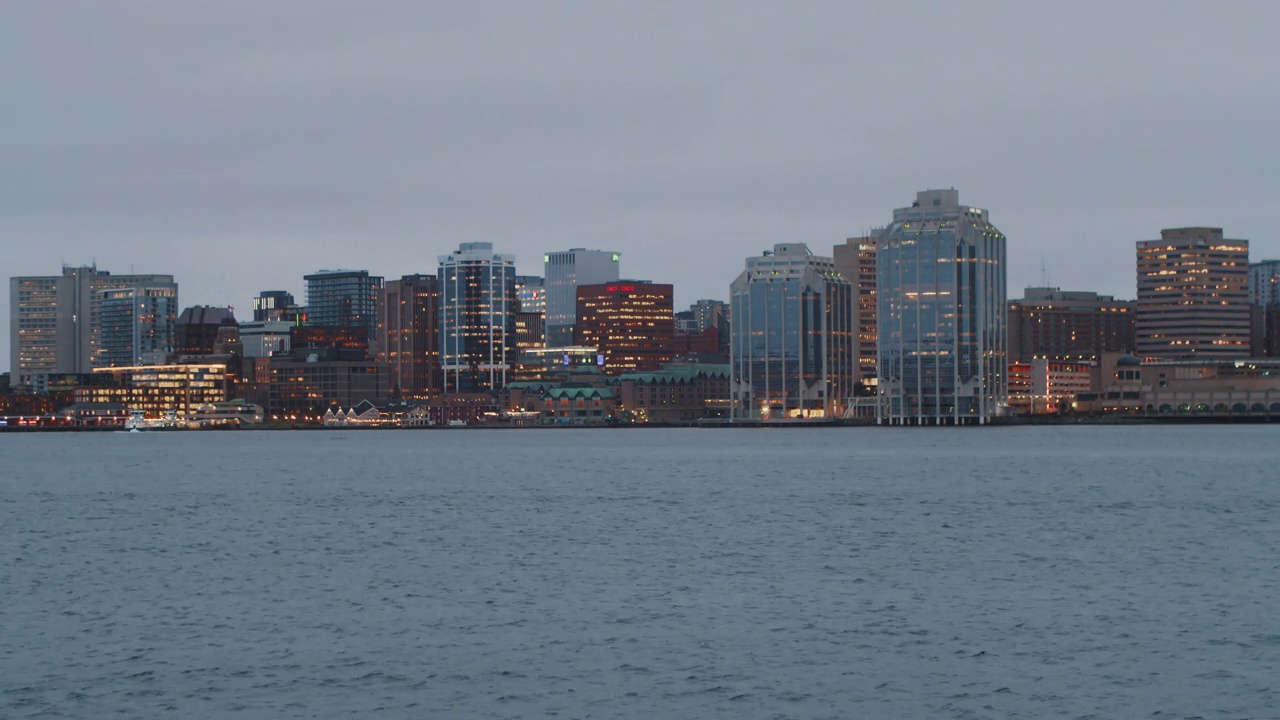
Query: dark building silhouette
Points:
[410, 341]
[197, 329]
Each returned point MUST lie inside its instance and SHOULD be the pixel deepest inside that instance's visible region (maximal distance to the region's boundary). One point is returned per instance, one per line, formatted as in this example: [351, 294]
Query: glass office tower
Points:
[345, 298]
[564, 272]
[941, 317]
[792, 340]
[477, 318]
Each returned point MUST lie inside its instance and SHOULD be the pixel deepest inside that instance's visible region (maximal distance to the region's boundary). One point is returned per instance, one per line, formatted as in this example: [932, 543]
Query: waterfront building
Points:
[856, 260]
[630, 322]
[554, 364]
[1193, 296]
[792, 338]
[676, 393]
[1069, 326]
[565, 271]
[159, 389]
[477, 318]
[344, 298]
[941, 317]
[139, 323]
[55, 323]
[411, 338]
[304, 383]
[197, 328]
[1041, 386]
[578, 405]
[272, 305]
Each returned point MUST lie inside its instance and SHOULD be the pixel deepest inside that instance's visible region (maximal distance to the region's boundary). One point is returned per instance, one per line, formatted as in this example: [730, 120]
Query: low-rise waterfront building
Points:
[1042, 386]
[578, 405]
[157, 390]
[678, 393]
[306, 383]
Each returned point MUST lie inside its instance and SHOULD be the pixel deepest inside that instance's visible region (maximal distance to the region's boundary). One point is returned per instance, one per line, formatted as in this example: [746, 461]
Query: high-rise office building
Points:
[477, 318]
[628, 322]
[1068, 326]
[55, 321]
[565, 271]
[531, 293]
[1193, 295]
[139, 323]
[1264, 296]
[411, 339]
[344, 298]
[941, 318]
[272, 306]
[792, 348]
[531, 318]
[856, 260]
[1264, 283]
[708, 314]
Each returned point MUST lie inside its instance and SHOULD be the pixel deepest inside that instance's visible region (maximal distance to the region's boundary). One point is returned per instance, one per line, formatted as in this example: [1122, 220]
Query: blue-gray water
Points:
[1109, 572]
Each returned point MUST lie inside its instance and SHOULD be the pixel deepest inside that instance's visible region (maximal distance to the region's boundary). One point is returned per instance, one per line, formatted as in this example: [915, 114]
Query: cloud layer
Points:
[241, 145]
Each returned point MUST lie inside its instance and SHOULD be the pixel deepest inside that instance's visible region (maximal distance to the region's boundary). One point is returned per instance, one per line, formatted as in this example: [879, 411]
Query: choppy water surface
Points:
[972, 573]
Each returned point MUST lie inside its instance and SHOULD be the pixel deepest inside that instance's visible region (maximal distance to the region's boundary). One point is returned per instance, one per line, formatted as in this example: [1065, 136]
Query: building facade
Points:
[264, 338]
[159, 389]
[477, 319]
[411, 338]
[1264, 296]
[139, 323]
[1264, 283]
[55, 322]
[272, 305]
[941, 314]
[1069, 326]
[630, 323]
[197, 329]
[305, 383]
[1193, 296]
[565, 271]
[677, 393]
[344, 298]
[792, 344]
[856, 260]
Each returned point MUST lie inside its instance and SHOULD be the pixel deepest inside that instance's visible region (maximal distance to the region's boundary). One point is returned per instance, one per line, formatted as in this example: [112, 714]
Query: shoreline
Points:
[716, 423]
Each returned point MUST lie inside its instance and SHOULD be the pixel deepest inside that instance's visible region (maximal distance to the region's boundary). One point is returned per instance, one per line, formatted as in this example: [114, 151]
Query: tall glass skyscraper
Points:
[792, 340]
[345, 298]
[565, 271]
[941, 318]
[139, 324]
[477, 318]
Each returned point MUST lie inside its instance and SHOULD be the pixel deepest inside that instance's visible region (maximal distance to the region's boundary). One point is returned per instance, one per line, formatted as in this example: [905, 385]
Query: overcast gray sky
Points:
[242, 144]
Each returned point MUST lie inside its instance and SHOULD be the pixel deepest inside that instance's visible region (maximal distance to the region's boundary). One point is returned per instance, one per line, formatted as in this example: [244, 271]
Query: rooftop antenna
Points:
[1044, 273]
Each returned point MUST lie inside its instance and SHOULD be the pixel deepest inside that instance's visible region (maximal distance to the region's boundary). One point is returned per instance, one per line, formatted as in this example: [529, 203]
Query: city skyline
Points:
[238, 152]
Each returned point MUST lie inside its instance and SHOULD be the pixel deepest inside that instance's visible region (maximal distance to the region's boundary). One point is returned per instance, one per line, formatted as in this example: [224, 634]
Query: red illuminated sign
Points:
[620, 288]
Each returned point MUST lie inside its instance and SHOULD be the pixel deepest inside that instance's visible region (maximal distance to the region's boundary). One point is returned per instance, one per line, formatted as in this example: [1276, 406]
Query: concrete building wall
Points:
[1193, 296]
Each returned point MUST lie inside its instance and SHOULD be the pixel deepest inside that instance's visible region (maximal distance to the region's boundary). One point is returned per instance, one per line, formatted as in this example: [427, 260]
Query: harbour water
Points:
[1033, 572]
